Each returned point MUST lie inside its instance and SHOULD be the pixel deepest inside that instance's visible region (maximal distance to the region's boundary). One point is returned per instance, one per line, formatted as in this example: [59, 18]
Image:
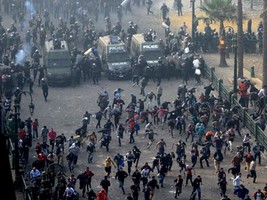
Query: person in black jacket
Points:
[83, 179]
[105, 183]
[121, 175]
[178, 185]
[136, 151]
[196, 188]
[204, 156]
[44, 86]
[162, 173]
[153, 183]
[208, 90]
[91, 194]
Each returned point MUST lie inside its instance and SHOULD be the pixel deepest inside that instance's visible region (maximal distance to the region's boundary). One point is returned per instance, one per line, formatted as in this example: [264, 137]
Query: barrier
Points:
[227, 94]
[24, 188]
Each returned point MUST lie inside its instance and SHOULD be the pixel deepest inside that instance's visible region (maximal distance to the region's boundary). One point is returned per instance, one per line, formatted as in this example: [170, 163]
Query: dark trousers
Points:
[132, 137]
[253, 175]
[258, 155]
[189, 177]
[158, 99]
[188, 135]
[45, 93]
[136, 160]
[178, 191]
[98, 123]
[129, 164]
[95, 79]
[135, 79]
[204, 158]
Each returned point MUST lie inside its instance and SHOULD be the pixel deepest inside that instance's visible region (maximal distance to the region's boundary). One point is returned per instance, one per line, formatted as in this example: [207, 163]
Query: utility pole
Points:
[240, 39]
[264, 63]
[235, 63]
[193, 23]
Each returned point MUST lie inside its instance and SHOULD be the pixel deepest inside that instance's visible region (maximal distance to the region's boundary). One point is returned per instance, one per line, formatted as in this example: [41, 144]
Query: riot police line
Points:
[80, 33]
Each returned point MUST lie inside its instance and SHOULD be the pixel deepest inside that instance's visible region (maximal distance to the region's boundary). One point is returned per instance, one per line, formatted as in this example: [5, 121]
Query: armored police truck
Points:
[57, 62]
[115, 59]
[150, 49]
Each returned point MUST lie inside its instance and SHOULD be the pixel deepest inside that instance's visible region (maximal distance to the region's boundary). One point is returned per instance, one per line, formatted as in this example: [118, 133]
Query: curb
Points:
[256, 81]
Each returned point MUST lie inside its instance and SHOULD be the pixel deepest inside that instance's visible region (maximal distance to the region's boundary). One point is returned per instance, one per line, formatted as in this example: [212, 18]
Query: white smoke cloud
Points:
[30, 8]
[23, 54]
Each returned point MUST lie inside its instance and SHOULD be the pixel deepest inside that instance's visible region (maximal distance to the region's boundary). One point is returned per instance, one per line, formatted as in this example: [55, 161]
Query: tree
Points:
[240, 39]
[219, 10]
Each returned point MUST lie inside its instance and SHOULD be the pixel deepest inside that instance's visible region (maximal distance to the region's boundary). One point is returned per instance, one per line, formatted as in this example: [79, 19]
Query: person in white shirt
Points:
[149, 127]
[262, 92]
[144, 175]
[246, 143]
[108, 112]
[237, 181]
[196, 64]
[252, 170]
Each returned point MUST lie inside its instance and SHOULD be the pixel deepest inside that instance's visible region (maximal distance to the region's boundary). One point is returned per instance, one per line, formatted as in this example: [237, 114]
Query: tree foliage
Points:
[219, 10]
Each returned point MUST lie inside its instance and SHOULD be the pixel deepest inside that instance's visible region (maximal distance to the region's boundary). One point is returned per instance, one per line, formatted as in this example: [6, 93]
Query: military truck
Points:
[57, 63]
[151, 50]
[115, 59]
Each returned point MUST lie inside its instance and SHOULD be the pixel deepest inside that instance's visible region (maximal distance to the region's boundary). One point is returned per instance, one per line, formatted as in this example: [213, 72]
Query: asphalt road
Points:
[65, 106]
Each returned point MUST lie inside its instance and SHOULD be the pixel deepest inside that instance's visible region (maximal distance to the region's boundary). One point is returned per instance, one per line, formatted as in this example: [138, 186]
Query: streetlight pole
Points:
[193, 23]
[16, 121]
[235, 62]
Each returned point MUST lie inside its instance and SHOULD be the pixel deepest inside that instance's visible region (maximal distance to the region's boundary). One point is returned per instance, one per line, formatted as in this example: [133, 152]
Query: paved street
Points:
[64, 111]
[65, 107]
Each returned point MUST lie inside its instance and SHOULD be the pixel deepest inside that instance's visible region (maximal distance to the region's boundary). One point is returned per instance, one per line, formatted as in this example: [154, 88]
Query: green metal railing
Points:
[23, 186]
[227, 94]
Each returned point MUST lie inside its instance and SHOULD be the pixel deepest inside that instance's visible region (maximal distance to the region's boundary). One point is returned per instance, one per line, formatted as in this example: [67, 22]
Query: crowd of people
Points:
[209, 121]
[212, 121]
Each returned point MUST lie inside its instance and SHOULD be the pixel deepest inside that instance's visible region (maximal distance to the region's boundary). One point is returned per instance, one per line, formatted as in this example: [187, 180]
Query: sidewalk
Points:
[227, 73]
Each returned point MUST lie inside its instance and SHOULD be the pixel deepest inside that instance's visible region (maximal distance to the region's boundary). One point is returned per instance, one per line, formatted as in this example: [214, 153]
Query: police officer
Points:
[164, 9]
[119, 13]
[108, 25]
[158, 71]
[44, 88]
[149, 5]
[95, 73]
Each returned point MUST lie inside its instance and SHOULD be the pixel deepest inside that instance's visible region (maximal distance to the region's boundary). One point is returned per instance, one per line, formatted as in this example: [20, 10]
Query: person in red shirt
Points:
[242, 88]
[189, 174]
[102, 195]
[38, 148]
[202, 98]
[52, 137]
[89, 174]
[161, 112]
[42, 159]
[131, 130]
[22, 134]
[35, 125]
[72, 180]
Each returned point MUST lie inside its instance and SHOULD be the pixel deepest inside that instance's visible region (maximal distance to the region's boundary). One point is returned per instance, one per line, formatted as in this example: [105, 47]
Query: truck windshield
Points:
[118, 57]
[152, 55]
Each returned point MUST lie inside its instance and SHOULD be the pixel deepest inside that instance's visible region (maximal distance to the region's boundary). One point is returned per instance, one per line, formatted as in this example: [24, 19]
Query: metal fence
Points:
[24, 188]
[227, 94]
